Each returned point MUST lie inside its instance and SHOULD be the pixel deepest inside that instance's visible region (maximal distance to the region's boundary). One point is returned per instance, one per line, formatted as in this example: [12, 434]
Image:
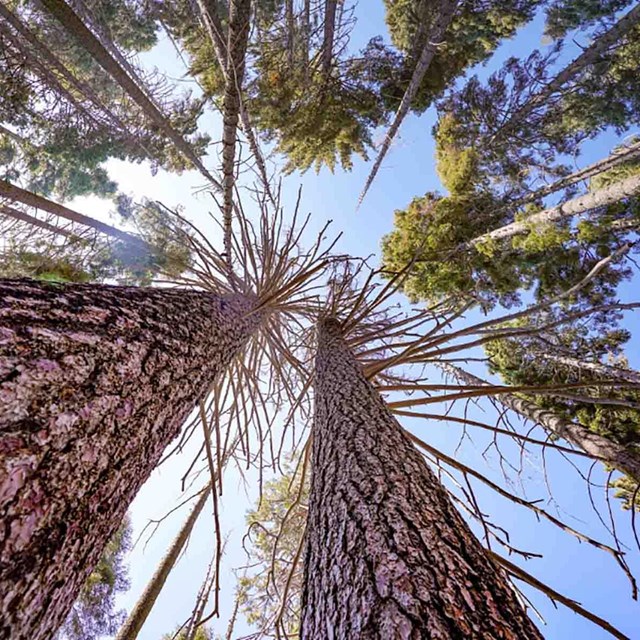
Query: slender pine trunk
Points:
[582, 204]
[387, 554]
[617, 157]
[95, 382]
[16, 194]
[589, 56]
[624, 459]
[16, 214]
[68, 19]
[434, 38]
[141, 610]
[604, 371]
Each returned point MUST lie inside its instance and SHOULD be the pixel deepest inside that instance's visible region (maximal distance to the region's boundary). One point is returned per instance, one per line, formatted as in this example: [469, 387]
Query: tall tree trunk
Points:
[16, 194]
[95, 382]
[617, 157]
[434, 38]
[16, 214]
[330, 9]
[68, 19]
[603, 370]
[601, 198]
[239, 22]
[622, 458]
[140, 612]
[388, 555]
[587, 57]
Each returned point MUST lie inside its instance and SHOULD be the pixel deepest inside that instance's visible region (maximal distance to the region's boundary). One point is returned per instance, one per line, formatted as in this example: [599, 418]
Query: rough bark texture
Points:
[388, 556]
[624, 459]
[435, 38]
[605, 371]
[587, 202]
[140, 612]
[95, 382]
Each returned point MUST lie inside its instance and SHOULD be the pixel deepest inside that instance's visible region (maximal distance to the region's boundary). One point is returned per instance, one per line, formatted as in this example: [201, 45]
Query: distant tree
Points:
[93, 614]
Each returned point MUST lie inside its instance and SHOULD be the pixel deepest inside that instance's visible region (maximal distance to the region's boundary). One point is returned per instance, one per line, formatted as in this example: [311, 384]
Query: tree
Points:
[376, 510]
[124, 370]
[93, 613]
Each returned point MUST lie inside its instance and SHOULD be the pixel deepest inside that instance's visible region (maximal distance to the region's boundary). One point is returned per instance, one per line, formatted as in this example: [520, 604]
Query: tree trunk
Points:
[140, 612]
[434, 38]
[67, 18]
[239, 22]
[617, 157]
[586, 58]
[330, 9]
[16, 214]
[601, 198]
[16, 194]
[622, 458]
[387, 554]
[602, 370]
[95, 382]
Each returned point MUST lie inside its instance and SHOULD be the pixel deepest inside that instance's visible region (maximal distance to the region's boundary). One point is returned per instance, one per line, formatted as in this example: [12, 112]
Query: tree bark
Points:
[387, 554]
[239, 22]
[95, 382]
[434, 38]
[16, 214]
[68, 19]
[330, 9]
[622, 458]
[140, 612]
[601, 198]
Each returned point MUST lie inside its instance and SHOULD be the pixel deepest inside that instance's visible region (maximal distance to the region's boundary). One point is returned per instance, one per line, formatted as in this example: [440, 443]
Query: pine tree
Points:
[387, 552]
[98, 380]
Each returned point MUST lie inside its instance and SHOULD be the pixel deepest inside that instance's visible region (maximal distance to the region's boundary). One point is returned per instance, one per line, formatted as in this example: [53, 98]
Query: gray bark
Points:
[622, 458]
[387, 554]
[602, 370]
[95, 382]
[582, 204]
[434, 38]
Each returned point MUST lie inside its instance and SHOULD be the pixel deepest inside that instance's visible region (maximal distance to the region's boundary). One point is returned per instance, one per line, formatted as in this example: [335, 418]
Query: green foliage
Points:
[474, 34]
[260, 590]
[93, 614]
[566, 15]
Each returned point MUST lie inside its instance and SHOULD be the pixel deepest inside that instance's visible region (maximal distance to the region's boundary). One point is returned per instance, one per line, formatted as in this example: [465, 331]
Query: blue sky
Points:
[574, 568]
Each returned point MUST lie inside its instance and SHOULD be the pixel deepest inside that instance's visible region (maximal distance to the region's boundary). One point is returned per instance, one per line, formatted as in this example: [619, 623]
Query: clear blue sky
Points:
[577, 570]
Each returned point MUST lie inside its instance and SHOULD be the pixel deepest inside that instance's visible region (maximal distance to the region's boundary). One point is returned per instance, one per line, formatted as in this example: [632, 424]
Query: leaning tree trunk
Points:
[605, 371]
[141, 610]
[95, 381]
[434, 39]
[622, 458]
[582, 204]
[388, 555]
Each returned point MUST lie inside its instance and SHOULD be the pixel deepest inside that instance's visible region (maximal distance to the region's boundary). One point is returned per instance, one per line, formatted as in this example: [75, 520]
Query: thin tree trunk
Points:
[140, 612]
[10, 212]
[617, 157]
[601, 198]
[95, 382]
[622, 458]
[586, 58]
[16, 194]
[434, 39]
[239, 22]
[388, 555]
[330, 9]
[602, 370]
[60, 10]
